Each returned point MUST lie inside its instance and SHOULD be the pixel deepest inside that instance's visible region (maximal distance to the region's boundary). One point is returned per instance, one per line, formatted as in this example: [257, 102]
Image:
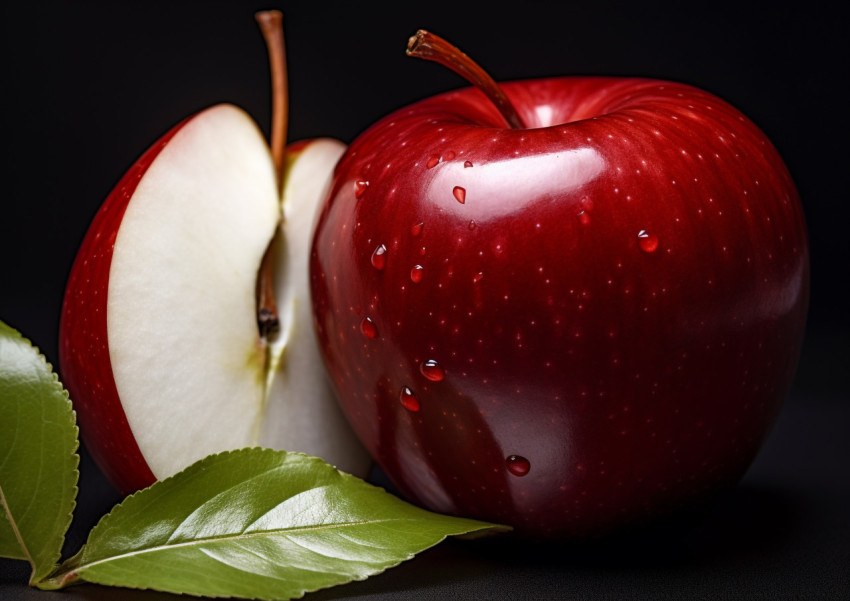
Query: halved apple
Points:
[159, 343]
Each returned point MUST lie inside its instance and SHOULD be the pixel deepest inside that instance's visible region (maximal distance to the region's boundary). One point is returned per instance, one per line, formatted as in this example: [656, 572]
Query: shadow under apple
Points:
[748, 527]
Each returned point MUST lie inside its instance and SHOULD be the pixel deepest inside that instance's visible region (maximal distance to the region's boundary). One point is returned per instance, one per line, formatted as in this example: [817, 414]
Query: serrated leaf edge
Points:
[75, 473]
[74, 568]
[80, 571]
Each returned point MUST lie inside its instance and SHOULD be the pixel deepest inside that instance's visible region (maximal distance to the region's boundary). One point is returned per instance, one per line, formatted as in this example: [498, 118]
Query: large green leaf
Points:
[256, 523]
[38, 460]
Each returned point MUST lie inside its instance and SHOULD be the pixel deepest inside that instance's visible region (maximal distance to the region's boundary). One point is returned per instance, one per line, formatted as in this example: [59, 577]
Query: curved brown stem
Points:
[271, 25]
[429, 46]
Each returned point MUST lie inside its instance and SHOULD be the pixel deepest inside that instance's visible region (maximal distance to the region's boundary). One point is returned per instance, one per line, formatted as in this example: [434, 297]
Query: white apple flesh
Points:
[181, 309]
[299, 391]
[180, 341]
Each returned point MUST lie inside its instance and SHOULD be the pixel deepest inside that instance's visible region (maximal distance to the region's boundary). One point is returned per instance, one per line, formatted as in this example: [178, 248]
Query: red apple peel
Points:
[616, 306]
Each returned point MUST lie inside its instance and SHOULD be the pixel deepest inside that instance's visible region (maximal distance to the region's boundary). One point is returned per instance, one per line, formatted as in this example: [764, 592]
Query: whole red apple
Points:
[566, 327]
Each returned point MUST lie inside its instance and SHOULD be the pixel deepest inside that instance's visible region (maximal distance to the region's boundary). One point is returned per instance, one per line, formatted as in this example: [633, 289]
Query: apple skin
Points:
[129, 444]
[84, 360]
[615, 299]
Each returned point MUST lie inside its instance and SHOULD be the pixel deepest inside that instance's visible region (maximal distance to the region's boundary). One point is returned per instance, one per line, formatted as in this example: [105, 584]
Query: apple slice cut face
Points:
[302, 413]
[181, 308]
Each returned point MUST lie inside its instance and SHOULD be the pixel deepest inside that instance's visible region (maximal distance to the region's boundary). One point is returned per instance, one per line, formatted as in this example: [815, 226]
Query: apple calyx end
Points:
[269, 323]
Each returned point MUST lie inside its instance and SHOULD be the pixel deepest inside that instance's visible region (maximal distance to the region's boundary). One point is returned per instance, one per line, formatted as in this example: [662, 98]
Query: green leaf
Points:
[38, 460]
[256, 523]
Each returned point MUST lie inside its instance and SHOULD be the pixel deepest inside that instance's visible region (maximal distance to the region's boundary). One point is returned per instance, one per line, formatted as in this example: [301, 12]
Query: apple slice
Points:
[159, 343]
[298, 389]
[180, 307]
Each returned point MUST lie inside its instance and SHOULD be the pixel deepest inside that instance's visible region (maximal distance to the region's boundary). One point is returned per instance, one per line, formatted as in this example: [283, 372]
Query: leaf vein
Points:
[242, 536]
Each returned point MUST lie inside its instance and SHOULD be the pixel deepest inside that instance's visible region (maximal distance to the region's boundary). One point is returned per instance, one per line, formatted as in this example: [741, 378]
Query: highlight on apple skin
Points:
[159, 344]
[570, 327]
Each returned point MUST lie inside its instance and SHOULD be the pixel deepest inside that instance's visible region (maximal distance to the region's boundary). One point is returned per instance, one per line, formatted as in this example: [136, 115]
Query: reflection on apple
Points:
[574, 325]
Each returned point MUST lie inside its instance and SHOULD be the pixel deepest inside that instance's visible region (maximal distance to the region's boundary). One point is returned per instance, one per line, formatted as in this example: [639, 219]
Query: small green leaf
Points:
[256, 523]
[38, 460]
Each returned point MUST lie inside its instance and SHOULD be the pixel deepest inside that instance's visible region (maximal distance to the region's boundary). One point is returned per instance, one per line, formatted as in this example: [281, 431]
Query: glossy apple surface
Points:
[571, 327]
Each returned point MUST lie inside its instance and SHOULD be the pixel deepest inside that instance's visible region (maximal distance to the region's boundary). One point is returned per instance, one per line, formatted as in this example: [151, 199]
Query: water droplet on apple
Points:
[367, 326]
[472, 224]
[584, 217]
[379, 257]
[416, 228]
[408, 399]
[467, 164]
[450, 155]
[422, 251]
[478, 277]
[416, 274]
[432, 370]
[460, 194]
[648, 242]
[433, 161]
[517, 465]
[360, 187]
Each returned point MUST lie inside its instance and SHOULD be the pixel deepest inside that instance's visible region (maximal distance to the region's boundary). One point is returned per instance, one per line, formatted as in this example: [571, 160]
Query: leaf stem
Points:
[64, 575]
[426, 45]
[271, 25]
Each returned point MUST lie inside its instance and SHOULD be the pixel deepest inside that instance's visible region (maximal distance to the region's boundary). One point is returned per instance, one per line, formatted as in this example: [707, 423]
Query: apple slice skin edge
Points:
[616, 314]
[84, 361]
[95, 334]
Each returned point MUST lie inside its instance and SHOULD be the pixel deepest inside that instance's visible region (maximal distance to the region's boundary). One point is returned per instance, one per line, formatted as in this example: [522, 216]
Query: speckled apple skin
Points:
[614, 298]
[84, 362]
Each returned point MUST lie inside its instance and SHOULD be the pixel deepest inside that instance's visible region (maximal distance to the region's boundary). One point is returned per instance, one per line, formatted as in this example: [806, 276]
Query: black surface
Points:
[88, 86]
[781, 534]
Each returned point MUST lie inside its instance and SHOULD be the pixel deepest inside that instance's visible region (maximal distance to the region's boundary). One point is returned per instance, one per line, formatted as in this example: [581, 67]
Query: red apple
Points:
[570, 326]
[161, 344]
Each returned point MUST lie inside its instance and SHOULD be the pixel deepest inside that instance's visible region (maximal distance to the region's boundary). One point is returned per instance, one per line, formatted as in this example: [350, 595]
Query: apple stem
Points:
[429, 46]
[271, 25]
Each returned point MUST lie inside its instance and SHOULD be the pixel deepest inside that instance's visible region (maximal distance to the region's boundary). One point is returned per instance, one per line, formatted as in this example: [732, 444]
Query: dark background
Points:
[88, 86]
